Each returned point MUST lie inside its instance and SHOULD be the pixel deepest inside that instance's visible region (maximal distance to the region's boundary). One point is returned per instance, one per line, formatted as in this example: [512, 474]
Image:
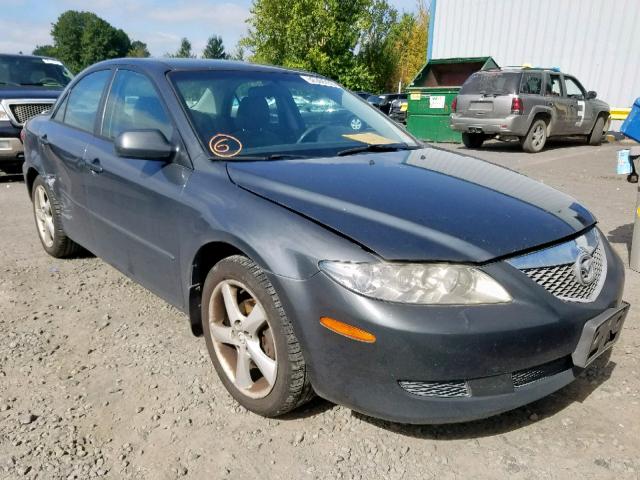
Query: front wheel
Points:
[473, 140]
[536, 138]
[251, 340]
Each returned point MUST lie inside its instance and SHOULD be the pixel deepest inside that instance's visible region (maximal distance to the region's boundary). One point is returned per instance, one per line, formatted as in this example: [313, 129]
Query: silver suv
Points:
[529, 105]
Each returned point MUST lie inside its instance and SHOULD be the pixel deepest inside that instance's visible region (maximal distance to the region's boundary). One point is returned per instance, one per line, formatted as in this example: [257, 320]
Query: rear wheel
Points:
[473, 140]
[595, 137]
[251, 341]
[536, 138]
[47, 214]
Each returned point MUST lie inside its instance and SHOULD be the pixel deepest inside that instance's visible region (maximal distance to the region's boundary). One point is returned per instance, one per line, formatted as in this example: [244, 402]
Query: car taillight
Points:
[517, 108]
[454, 104]
[22, 135]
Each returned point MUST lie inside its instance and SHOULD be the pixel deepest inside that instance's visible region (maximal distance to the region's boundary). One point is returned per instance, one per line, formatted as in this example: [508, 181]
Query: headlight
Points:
[3, 115]
[425, 284]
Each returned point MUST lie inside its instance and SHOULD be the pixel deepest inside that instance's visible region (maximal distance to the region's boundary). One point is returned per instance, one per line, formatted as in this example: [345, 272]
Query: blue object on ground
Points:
[631, 126]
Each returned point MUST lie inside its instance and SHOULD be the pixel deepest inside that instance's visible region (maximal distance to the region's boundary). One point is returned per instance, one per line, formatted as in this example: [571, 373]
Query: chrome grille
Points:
[561, 281]
[437, 389]
[24, 111]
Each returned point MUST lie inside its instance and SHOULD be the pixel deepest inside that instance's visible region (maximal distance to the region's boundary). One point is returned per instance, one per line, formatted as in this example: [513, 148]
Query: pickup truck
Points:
[29, 86]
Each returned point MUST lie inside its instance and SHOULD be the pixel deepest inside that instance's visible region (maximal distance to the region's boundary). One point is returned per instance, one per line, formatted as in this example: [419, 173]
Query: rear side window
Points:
[84, 100]
[554, 86]
[531, 84]
[490, 83]
[134, 104]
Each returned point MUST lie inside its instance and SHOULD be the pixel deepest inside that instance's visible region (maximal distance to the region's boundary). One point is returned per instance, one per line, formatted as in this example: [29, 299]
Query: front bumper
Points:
[490, 348]
[11, 148]
[512, 125]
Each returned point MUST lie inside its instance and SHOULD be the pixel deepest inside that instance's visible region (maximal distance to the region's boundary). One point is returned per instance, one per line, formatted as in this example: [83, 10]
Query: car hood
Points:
[10, 93]
[419, 205]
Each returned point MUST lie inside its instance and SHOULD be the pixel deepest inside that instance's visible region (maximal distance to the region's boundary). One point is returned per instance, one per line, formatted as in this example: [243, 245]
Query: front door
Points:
[135, 203]
[581, 117]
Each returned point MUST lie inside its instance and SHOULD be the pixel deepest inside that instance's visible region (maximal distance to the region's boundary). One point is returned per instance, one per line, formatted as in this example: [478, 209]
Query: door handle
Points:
[94, 166]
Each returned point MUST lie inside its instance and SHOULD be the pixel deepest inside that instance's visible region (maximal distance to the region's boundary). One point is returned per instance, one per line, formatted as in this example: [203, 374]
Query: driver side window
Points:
[574, 89]
[134, 104]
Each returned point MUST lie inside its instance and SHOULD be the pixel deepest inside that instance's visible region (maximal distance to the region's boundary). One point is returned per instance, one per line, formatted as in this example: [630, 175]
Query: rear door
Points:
[487, 94]
[581, 118]
[556, 100]
[64, 142]
[135, 203]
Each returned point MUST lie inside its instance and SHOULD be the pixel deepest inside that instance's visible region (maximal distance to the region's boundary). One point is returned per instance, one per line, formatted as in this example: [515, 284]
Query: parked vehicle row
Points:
[318, 246]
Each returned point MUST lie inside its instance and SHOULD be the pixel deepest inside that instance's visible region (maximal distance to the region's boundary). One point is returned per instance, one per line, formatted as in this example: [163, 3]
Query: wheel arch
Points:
[548, 118]
[207, 256]
[29, 178]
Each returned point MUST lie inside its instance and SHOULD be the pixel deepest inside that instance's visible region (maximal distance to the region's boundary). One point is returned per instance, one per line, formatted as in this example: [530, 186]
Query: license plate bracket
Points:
[599, 335]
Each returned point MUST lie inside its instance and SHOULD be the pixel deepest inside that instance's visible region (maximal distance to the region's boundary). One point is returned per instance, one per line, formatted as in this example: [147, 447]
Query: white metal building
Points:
[597, 41]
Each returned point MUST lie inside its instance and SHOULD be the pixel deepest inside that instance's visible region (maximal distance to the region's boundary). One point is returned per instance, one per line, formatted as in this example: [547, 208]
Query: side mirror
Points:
[143, 144]
[591, 95]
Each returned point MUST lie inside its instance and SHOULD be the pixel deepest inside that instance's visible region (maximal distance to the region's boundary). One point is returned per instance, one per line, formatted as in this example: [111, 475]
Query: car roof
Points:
[524, 69]
[174, 64]
[19, 55]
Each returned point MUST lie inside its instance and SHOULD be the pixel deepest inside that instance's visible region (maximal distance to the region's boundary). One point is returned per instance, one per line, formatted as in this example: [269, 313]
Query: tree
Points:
[409, 38]
[138, 49]
[83, 38]
[239, 54]
[45, 51]
[214, 48]
[346, 41]
[184, 51]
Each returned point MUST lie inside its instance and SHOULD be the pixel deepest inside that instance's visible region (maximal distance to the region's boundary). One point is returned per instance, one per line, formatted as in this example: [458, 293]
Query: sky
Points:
[159, 23]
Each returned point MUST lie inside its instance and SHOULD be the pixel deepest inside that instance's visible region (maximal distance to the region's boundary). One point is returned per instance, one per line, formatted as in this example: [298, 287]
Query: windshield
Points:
[33, 71]
[261, 115]
[491, 83]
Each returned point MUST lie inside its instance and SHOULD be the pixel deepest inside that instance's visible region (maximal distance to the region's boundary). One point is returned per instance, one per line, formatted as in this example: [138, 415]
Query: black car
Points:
[384, 101]
[398, 110]
[29, 85]
[328, 253]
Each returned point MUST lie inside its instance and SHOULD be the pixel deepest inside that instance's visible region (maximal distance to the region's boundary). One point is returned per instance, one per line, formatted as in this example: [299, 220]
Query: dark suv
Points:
[29, 86]
[529, 105]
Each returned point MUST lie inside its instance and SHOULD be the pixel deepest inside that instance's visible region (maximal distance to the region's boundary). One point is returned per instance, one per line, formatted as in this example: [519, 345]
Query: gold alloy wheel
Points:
[44, 216]
[242, 339]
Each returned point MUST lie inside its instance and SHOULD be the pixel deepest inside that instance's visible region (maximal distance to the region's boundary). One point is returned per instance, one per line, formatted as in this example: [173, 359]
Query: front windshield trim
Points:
[276, 79]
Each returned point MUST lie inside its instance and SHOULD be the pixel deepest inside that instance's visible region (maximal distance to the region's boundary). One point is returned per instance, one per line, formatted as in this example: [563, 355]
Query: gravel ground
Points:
[99, 378]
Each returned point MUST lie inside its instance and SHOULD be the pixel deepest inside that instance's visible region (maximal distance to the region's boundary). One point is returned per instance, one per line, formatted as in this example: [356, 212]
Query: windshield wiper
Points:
[262, 158]
[377, 147]
[41, 84]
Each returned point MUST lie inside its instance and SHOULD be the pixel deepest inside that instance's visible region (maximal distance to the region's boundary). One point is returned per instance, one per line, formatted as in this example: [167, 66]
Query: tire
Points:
[536, 137]
[239, 282]
[48, 218]
[473, 140]
[596, 135]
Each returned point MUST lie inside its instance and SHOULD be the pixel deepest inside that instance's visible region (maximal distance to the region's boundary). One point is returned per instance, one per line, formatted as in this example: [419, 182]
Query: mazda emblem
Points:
[584, 268]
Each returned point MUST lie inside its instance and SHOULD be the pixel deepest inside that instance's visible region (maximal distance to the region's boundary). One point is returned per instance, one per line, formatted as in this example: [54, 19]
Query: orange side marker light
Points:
[346, 330]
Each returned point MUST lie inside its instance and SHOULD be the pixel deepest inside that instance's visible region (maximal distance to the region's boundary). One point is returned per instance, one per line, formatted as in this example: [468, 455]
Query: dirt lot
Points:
[99, 378]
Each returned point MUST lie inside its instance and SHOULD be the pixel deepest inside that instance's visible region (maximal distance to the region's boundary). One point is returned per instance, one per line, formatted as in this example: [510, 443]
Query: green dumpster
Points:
[431, 94]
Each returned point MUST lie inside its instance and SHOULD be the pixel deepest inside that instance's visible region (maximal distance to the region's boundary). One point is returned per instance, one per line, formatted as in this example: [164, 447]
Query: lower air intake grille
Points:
[534, 374]
[437, 389]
